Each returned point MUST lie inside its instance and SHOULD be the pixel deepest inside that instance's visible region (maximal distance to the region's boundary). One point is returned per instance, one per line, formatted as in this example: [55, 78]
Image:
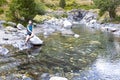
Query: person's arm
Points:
[28, 28]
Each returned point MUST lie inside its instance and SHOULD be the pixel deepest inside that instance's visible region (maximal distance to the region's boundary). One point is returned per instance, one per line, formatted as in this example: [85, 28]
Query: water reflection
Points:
[106, 66]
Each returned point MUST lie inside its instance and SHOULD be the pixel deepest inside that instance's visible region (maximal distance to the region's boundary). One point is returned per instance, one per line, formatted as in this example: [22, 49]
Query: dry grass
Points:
[84, 2]
[118, 11]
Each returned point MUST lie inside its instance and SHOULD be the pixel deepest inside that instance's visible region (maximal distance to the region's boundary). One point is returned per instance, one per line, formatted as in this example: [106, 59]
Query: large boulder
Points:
[10, 29]
[20, 26]
[11, 23]
[36, 41]
[67, 24]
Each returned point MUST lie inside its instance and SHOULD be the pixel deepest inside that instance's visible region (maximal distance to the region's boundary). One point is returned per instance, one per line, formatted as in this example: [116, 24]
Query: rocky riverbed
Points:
[15, 54]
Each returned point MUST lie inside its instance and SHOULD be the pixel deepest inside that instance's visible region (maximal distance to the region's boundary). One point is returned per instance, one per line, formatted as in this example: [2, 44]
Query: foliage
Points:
[52, 6]
[107, 5]
[2, 2]
[41, 18]
[62, 3]
[24, 10]
[40, 8]
[1, 11]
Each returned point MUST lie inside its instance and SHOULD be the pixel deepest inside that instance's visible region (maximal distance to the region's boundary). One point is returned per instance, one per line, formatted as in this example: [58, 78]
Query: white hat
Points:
[30, 22]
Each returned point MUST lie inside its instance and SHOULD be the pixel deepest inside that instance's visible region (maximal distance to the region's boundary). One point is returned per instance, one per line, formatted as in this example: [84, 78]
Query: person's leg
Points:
[27, 38]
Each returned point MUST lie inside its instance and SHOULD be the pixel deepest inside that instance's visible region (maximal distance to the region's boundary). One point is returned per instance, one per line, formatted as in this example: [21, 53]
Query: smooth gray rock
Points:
[36, 41]
[11, 23]
[67, 24]
[20, 26]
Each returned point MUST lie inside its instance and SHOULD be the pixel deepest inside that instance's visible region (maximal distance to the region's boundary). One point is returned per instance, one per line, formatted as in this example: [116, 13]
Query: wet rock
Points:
[76, 35]
[95, 42]
[65, 32]
[13, 77]
[117, 34]
[9, 66]
[45, 76]
[21, 45]
[27, 78]
[3, 51]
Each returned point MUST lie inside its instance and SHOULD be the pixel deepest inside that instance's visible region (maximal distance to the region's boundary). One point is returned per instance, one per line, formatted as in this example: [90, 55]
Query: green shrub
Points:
[1, 11]
[41, 19]
[40, 8]
[64, 15]
[22, 8]
[52, 6]
[62, 3]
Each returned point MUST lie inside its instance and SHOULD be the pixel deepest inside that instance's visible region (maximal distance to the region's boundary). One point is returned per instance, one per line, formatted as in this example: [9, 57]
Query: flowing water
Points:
[95, 55]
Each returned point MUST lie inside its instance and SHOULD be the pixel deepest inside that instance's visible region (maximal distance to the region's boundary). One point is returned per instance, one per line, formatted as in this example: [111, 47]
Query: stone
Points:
[76, 35]
[45, 76]
[67, 32]
[21, 45]
[5, 38]
[3, 51]
[20, 26]
[11, 29]
[67, 24]
[58, 78]
[36, 41]
[2, 21]
[11, 23]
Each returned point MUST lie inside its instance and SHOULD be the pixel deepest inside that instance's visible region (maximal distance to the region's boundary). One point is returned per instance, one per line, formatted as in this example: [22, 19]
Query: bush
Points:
[22, 8]
[1, 11]
[41, 19]
[62, 3]
[52, 6]
[40, 8]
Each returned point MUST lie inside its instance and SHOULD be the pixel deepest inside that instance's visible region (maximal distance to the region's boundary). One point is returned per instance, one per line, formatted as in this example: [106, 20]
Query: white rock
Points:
[76, 35]
[58, 78]
[20, 26]
[36, 41]
[67, 24]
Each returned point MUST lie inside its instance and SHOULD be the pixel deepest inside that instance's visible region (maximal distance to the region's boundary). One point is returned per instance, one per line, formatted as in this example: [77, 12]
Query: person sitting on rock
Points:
[29, 31]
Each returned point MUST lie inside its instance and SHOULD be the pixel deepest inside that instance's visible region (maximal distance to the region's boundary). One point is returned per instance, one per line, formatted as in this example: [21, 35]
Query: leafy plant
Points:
[2, 2]
[40, 8]
[62, 3]
[107, 5]
[1, 11]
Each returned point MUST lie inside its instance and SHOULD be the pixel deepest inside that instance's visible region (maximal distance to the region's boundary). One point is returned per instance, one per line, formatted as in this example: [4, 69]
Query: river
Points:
[92, 56]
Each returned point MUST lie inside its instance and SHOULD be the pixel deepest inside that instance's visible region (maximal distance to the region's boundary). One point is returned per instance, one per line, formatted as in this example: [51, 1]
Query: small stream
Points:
[92, 56]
